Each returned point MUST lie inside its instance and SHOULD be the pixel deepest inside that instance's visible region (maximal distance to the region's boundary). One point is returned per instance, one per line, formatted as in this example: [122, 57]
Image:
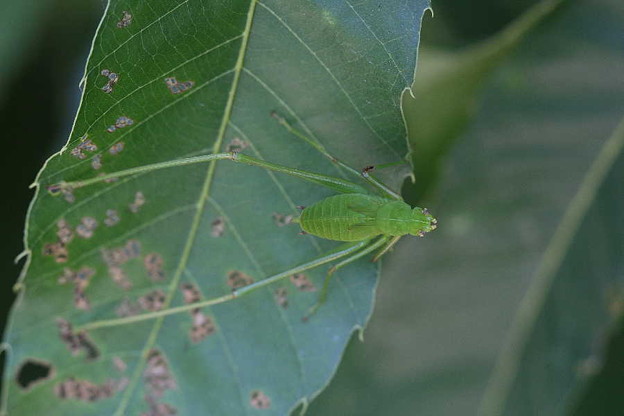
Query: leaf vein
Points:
[383, 45]
[331, 74]
[260, 270]
[200, 206]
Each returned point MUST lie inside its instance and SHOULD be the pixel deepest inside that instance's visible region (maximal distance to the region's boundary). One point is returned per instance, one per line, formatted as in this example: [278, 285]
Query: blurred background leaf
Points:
[20, 25]
[558, 339]
[445, 94]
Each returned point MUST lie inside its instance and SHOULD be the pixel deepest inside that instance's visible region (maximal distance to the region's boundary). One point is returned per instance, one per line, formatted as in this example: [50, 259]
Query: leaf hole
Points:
[33, 371]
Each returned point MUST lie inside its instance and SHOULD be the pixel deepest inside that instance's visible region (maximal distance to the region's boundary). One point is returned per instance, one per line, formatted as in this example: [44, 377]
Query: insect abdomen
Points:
[335, 218]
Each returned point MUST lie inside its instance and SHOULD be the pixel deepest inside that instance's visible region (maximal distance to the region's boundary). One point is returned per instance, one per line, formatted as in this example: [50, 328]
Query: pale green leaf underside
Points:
[334, 69]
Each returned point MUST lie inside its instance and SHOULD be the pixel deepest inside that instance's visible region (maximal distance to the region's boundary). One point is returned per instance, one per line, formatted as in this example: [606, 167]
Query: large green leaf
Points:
[336, 70]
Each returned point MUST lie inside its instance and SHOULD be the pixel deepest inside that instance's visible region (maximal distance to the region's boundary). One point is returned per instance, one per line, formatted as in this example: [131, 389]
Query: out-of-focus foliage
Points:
[20, 22]
[445, 94]
[559, 336]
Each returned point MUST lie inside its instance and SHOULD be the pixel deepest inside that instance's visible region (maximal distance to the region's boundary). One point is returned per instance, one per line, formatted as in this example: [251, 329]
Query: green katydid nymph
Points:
[366, 221]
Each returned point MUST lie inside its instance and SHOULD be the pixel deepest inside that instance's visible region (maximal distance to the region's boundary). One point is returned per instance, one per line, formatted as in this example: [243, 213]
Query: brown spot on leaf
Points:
[120, 364]
[190, 293]
[159, 409]
[125, 21]
[302, 282]
[157, 375]
[281, 297]
[176, 87]
[33, 371]
[65, 233]
[76, 341]
[116, 257]
[259, 400]
[153, 263]
[120, 277]
[112, 217]
[96, 162]
[236, 145]
[158, 380]
[237, 279]
[139, 201]
[62, 189]
[116, 148]
[218, 227]
[153, 301]
[81, 301]
[56, 250]
[127, 308]
[85, 145]
[86, 391]
[112, 79]
[203, 325]
[86, 227]
[68, 194]
[282, 220]
[121, 122]
[80, 279]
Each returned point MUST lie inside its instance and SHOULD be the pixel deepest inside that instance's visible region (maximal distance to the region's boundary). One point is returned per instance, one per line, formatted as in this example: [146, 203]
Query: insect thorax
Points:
[397, 218]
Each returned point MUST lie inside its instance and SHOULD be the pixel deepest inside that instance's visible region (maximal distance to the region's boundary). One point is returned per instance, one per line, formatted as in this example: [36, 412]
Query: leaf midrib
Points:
[202, 200]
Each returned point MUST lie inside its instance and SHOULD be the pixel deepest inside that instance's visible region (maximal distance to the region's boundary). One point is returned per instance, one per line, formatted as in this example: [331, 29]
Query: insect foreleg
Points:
[387, 247]
[336, 254]
[353, 257]
[378, 184]
[365, 172]
[318, 146]
[337, 184]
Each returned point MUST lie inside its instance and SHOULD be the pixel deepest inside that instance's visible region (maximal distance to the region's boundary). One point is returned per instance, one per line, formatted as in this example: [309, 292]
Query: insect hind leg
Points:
[348, 260]
[318, 146]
